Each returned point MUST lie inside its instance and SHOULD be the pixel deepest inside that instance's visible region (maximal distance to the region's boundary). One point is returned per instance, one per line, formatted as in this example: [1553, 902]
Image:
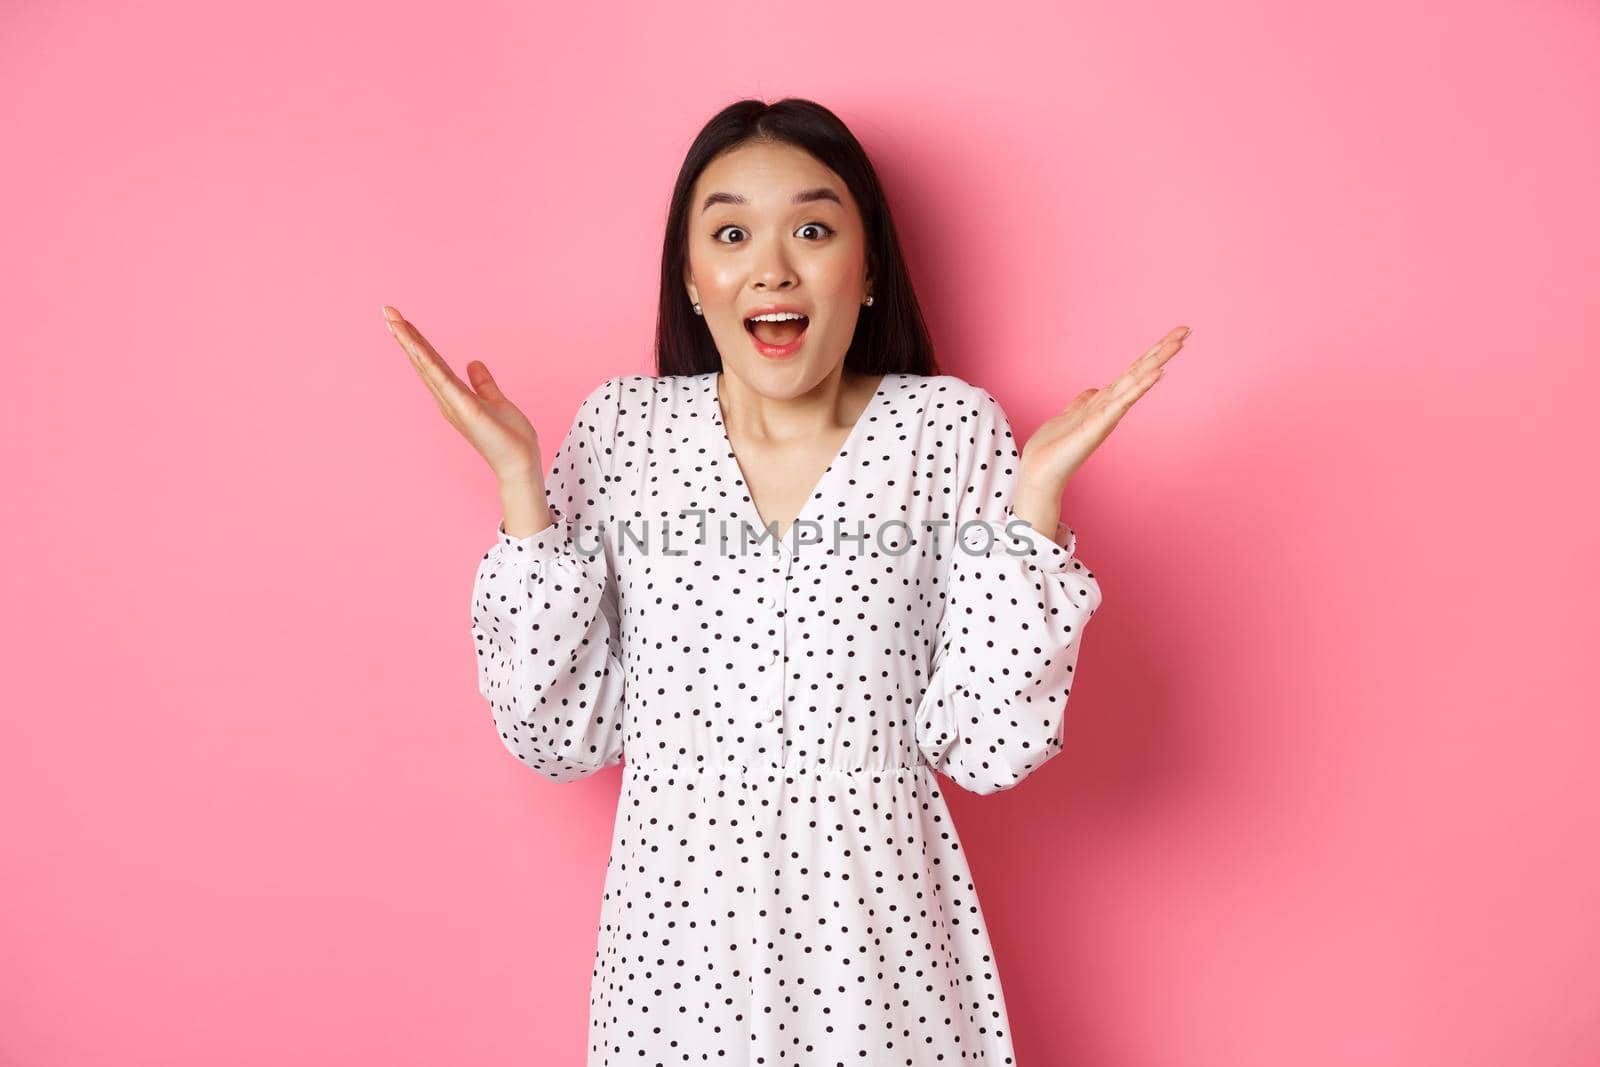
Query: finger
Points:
[453, 403]
[1153, 360]
[1157, 354]
[403, 337]
[433, 386]
[419, 364]
[1136, 371]
[432, 363]
[1112, 403]
[1137, 387]
[484, 382]
[428, 362]
[1079, 400]
[449, 408]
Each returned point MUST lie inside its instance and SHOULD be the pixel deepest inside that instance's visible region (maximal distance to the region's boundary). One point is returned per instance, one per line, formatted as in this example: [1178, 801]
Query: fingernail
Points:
[1187, 330]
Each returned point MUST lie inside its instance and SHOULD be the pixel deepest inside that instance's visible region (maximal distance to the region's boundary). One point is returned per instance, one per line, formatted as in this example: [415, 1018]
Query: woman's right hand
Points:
[492, 424]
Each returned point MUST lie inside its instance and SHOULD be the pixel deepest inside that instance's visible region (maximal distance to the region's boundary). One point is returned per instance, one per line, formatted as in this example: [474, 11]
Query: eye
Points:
[829, 231]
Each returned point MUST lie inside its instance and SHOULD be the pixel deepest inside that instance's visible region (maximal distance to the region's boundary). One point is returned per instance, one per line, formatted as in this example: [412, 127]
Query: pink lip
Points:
[779, 351]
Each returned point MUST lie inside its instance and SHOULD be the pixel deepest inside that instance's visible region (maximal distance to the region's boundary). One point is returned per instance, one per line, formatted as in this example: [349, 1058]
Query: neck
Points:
[830, 405]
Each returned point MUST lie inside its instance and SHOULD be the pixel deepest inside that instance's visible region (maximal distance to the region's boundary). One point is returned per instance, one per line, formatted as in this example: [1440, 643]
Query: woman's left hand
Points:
[1060, 446]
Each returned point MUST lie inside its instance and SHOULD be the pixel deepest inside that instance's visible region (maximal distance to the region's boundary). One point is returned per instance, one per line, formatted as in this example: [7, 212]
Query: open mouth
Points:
[777, 335]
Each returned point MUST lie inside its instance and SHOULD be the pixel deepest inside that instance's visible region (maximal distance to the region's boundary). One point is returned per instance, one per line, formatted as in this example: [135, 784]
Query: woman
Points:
[785, 884]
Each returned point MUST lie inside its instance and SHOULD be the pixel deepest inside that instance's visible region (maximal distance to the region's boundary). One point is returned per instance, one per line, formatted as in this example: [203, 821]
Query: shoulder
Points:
[964, 413]
[952, 393]
[627, 412]
[607, 406]
[606, 397]
[638, 390]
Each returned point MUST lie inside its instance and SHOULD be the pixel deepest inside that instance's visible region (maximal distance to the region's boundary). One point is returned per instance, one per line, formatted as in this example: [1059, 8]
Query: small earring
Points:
[868, 301]
[697, 310]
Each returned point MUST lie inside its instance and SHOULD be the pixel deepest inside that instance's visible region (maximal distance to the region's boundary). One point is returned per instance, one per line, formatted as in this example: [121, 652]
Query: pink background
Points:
[1330, 794]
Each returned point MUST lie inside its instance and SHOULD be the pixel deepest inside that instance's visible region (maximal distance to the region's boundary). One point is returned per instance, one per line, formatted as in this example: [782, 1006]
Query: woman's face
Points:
[781, 228]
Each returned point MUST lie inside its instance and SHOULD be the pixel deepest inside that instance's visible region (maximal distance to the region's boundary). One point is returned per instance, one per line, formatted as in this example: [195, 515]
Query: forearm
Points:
[1038, 504]
[524, 505]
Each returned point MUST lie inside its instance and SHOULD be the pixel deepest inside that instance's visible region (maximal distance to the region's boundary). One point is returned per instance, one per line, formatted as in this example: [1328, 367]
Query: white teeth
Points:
[776, 316]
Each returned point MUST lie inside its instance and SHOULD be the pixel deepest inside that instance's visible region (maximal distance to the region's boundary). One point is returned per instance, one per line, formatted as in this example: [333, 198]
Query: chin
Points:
[786, 378]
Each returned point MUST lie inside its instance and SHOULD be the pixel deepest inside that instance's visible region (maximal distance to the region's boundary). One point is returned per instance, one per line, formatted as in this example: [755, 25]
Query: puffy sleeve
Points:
[545, 618]
[1015, 604]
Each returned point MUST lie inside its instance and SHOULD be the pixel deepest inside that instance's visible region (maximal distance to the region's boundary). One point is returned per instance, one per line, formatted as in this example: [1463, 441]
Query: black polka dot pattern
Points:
[785, 885]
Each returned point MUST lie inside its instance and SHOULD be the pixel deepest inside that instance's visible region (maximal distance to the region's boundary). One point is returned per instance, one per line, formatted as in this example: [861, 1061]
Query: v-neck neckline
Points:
[753, 513]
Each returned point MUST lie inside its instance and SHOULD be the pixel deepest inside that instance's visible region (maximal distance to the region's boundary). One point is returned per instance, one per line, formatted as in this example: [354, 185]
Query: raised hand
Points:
[1060, 446]
[492, 424]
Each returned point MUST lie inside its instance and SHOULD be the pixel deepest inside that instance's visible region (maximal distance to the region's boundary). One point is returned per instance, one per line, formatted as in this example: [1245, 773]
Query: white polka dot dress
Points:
[785, 885]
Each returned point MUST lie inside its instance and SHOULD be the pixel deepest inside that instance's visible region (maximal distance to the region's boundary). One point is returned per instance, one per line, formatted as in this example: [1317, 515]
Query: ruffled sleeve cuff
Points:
[1012, 536]
[540, 544]
[551, 554]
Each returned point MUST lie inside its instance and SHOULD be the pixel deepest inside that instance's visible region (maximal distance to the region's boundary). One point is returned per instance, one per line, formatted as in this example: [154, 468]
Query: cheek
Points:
[708, 276]
[719, 284]
[839, 286]
[841, 270]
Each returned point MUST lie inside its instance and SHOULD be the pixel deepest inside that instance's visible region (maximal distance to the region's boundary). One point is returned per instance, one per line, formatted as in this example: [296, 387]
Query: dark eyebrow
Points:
[803, 197]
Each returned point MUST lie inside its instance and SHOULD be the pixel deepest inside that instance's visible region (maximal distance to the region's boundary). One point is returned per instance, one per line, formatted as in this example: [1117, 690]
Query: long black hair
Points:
[890, 336]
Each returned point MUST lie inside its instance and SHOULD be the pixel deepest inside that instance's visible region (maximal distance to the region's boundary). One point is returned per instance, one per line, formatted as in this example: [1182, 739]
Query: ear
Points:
[688, 284]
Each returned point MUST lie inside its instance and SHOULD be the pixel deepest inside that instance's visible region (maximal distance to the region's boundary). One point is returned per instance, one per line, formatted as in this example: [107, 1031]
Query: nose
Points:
[771, 269]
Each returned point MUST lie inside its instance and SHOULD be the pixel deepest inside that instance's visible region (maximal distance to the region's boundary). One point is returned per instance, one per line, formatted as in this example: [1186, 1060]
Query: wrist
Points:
[524, 505]
[521, 483]
[1036, 479]
[1039, 492]
[1039, 506]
